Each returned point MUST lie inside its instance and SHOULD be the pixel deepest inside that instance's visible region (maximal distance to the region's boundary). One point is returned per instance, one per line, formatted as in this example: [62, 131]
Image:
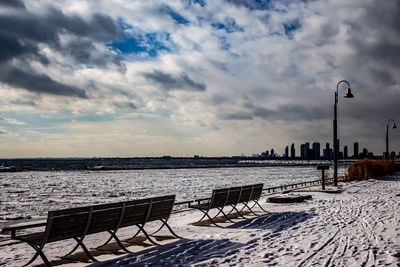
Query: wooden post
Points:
[323, 168]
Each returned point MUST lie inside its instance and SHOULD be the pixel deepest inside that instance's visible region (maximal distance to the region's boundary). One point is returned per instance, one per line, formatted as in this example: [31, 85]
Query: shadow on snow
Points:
[276, 221]
[182, 253]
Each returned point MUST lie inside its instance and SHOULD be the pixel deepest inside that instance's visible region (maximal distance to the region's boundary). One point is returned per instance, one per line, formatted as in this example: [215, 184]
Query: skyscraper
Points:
[307, 151]
[316, 147]
[327, 152]
[345, 152]
[356, 153]
[292, 151]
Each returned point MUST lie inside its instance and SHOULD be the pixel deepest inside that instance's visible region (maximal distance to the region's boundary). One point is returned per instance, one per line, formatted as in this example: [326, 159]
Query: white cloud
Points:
[262, 88]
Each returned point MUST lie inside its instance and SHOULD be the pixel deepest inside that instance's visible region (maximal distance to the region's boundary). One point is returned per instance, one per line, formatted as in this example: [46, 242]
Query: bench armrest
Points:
[21, 226]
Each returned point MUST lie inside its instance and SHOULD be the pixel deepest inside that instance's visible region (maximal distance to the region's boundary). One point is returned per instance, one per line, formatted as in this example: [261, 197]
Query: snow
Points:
[357, 227]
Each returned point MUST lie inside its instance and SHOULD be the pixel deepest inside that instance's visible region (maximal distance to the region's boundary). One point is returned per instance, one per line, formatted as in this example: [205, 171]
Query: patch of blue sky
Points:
[229, 25]
[137, 43]
[188, 3]
[291, 28]
[52, 121]
[224, 43]
[201, 21]
[95, 117]
[253, 4]
[175, 16]
[122, 24]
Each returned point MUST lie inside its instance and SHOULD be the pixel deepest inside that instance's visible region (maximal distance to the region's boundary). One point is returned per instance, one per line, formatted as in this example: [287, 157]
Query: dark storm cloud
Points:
[39, 83]
[23, 102]
[169, 82]
[252, 4]
[282, 113]
[12, 3]
[242, 116]
[24, 33]
[124, 105]
[383, 77]
[383, 23]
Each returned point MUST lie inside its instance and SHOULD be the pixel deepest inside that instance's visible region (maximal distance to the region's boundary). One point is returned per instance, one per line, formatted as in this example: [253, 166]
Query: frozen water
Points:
[25, 195]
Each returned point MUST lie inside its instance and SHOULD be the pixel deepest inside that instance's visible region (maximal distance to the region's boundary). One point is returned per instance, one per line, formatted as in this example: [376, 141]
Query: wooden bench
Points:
[77, 223]
[231, 197]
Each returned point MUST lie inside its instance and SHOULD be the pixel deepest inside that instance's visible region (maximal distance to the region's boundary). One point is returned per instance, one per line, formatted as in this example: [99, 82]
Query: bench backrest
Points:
[67, 223]
[77, 222]
[161, 208]
[246, 193]
[233, 195]
[257, 191]
[219, 197]
[105, 217]
[136, 212]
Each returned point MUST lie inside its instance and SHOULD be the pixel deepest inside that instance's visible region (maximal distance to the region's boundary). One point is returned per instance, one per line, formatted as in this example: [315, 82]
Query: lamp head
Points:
[349, 94]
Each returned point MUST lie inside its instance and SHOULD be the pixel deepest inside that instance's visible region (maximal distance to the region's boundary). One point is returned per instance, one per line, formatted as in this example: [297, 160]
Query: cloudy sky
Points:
[185, 77]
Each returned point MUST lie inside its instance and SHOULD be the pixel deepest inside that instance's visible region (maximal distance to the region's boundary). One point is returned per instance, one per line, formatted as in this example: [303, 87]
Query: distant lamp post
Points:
[335, 139]
[387, 136]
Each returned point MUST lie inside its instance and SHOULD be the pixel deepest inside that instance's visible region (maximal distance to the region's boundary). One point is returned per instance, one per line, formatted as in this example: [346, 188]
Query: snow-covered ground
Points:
[358, 227]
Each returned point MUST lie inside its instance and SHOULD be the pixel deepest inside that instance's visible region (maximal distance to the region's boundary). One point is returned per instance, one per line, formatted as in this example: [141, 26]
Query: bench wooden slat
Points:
[233, 195]
[218, 198]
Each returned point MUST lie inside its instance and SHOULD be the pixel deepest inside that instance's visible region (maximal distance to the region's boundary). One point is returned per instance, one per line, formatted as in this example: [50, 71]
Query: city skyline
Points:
[194, 77]
[314, 151]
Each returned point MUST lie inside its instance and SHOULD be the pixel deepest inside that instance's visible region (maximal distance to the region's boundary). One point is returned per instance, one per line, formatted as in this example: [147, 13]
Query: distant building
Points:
[292, 151]
[345, 152]
[356, 153]
[316, 151]
[302, 153]
[327, 152]
[305, 151]
[364, 153]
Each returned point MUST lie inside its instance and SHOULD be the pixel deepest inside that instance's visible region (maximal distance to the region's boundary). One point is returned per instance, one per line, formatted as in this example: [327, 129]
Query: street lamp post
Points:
[335, 139]
[387, 136]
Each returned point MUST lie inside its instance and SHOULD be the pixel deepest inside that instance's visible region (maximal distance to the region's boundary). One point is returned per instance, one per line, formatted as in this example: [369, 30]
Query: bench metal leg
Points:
[141, 229]
[113, 235]
[208, 216]
[238, 212]
[258, 204]
[40, 253]
[105, 243]
[247, 206]
[72, 251]
[164, 223]
[223, 213]
[80, 243]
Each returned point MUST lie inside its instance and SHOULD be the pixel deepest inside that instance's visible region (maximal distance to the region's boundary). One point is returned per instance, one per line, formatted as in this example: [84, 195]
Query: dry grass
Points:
[367, 169]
